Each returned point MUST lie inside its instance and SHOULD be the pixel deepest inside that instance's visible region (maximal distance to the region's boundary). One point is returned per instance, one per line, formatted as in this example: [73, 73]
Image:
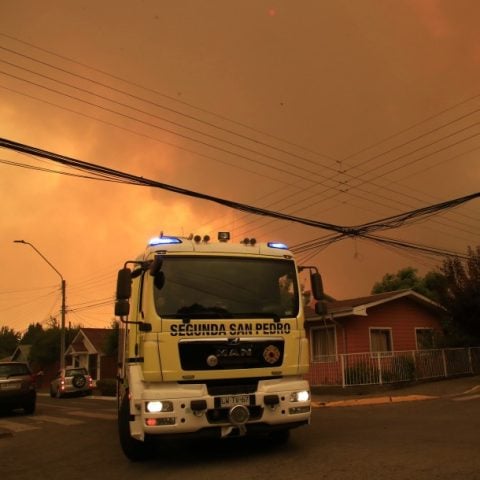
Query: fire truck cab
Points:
[212, 342]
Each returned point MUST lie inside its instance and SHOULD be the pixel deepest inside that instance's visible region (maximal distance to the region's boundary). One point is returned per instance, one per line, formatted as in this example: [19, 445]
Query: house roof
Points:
[97, 337]
[360, 305]
[94, 337]
[21, 352]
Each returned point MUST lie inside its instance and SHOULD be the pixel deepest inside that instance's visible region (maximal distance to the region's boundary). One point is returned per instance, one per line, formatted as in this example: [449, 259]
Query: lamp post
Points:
[62, 328]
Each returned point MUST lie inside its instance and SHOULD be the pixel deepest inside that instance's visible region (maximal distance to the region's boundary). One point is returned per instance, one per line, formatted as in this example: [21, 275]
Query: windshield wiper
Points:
[274, 316]
[197, 311]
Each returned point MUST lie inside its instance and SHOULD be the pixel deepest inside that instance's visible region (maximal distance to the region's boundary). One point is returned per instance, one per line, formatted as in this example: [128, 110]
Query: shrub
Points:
[107, 387]
[399, 369]
[361, 374]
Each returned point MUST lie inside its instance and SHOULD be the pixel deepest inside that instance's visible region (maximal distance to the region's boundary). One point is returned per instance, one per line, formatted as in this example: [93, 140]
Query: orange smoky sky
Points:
[343, 112]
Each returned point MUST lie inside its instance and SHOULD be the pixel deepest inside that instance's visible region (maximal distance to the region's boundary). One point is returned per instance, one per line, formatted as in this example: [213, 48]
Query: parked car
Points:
[17, 387]
[71, 380]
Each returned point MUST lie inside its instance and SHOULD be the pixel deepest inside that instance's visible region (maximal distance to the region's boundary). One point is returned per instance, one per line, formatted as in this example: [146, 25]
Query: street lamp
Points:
[62, 329]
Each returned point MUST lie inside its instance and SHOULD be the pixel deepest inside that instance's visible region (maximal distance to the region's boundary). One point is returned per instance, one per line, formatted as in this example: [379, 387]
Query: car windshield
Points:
[12, 369]
[226, 287]
[75, 371]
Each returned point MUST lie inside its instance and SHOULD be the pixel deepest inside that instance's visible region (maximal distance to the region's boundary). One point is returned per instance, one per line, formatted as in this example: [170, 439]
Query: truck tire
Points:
[135, 450]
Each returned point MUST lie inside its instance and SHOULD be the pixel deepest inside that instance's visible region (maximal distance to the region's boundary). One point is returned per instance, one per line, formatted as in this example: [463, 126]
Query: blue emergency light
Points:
[163, 241]
[277, 245]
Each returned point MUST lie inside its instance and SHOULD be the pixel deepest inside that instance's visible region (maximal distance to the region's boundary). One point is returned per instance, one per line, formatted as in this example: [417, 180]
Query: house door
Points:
[92, 365]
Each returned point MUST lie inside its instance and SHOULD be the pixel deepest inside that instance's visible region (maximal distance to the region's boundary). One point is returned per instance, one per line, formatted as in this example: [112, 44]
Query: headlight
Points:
[158, 406]
[302, 396]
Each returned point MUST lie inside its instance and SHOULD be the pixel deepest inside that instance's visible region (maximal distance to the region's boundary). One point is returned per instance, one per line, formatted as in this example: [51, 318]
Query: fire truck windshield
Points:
[226, 287]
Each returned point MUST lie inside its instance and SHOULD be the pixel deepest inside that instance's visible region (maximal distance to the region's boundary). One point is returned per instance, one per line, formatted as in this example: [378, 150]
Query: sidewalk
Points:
[377, 394]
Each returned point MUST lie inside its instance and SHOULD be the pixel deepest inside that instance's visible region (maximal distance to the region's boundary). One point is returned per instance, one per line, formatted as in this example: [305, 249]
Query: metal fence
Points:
[393, 367]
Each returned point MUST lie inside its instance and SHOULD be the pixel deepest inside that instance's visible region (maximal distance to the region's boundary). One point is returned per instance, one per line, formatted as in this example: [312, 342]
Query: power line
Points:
[135, 180]
[176, 133]
[144, 135]
[394, 221]
[202, 143]
[337, 171]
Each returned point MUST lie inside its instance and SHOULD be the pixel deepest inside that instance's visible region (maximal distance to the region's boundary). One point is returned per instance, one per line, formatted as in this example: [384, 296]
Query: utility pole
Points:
[63, 308]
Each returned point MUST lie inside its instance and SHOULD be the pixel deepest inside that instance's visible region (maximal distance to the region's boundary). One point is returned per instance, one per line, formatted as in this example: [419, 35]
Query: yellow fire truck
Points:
[212, 342]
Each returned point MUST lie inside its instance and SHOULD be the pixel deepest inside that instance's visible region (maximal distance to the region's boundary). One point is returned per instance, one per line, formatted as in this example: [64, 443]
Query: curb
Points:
[373, 401]
[91, 397]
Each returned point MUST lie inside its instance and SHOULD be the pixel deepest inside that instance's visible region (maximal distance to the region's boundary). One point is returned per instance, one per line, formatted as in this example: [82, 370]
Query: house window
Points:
[323, 343]
[425, 338]
[381, 341]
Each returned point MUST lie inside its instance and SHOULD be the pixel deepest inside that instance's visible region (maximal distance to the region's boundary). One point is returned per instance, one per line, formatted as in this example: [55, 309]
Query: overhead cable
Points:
[359, 230]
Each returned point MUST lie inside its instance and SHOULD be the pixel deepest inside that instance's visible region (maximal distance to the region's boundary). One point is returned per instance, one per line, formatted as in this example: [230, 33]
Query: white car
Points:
[71, 380]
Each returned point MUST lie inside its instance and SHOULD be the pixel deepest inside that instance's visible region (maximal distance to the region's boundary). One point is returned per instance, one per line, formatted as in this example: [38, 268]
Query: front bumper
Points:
[194, 411]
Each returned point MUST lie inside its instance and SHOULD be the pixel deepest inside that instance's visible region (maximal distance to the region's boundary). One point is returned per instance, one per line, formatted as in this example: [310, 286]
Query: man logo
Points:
[212, 361]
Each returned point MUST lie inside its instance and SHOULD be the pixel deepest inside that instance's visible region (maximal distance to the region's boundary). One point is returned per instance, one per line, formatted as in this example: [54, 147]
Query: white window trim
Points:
[431, 329]
[324, 327]
[387, 353]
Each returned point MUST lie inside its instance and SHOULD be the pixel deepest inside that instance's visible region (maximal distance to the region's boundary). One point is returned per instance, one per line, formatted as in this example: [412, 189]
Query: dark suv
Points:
[17, 387]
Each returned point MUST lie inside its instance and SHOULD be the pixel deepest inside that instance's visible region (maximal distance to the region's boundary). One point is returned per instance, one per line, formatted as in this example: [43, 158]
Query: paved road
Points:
[431, 439]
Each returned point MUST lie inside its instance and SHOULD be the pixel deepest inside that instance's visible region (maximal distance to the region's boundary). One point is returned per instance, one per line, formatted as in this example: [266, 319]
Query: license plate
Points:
[10, 386]
[232, 400]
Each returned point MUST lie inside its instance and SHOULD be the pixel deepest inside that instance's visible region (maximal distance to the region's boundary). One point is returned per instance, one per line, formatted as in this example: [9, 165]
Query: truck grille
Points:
[229, 355]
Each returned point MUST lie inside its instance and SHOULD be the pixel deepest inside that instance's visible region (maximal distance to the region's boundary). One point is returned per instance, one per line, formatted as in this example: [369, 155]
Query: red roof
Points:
[96, 336]
[359, 305]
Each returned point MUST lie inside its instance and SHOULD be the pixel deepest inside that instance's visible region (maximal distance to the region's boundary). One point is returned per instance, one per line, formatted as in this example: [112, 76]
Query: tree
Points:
[46, 346]
[431, 286]
[9, 339]
[461, 298]
[33, 333]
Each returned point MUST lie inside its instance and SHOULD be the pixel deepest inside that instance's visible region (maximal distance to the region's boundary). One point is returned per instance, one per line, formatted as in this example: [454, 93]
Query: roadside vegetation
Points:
[455, 286]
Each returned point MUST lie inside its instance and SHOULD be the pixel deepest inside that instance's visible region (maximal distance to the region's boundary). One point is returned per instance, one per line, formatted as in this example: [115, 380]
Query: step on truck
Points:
[212, 342]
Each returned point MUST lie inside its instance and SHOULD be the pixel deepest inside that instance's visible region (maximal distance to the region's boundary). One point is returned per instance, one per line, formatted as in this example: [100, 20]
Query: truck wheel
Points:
[135, 450]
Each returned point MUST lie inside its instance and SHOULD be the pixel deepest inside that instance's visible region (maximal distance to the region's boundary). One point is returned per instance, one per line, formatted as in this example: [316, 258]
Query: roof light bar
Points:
[163, 241]
[277, 245]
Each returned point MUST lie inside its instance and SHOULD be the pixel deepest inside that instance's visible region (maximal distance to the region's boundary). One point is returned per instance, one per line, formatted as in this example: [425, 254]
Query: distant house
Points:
[21, 353]
[88, 350]
[377, 325]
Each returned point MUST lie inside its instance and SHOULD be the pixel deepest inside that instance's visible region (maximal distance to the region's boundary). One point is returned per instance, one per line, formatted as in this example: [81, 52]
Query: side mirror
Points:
[156, 265]
[122, 308]
[159, 280]
[321, 308]
[124, 284]
[317, 286]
